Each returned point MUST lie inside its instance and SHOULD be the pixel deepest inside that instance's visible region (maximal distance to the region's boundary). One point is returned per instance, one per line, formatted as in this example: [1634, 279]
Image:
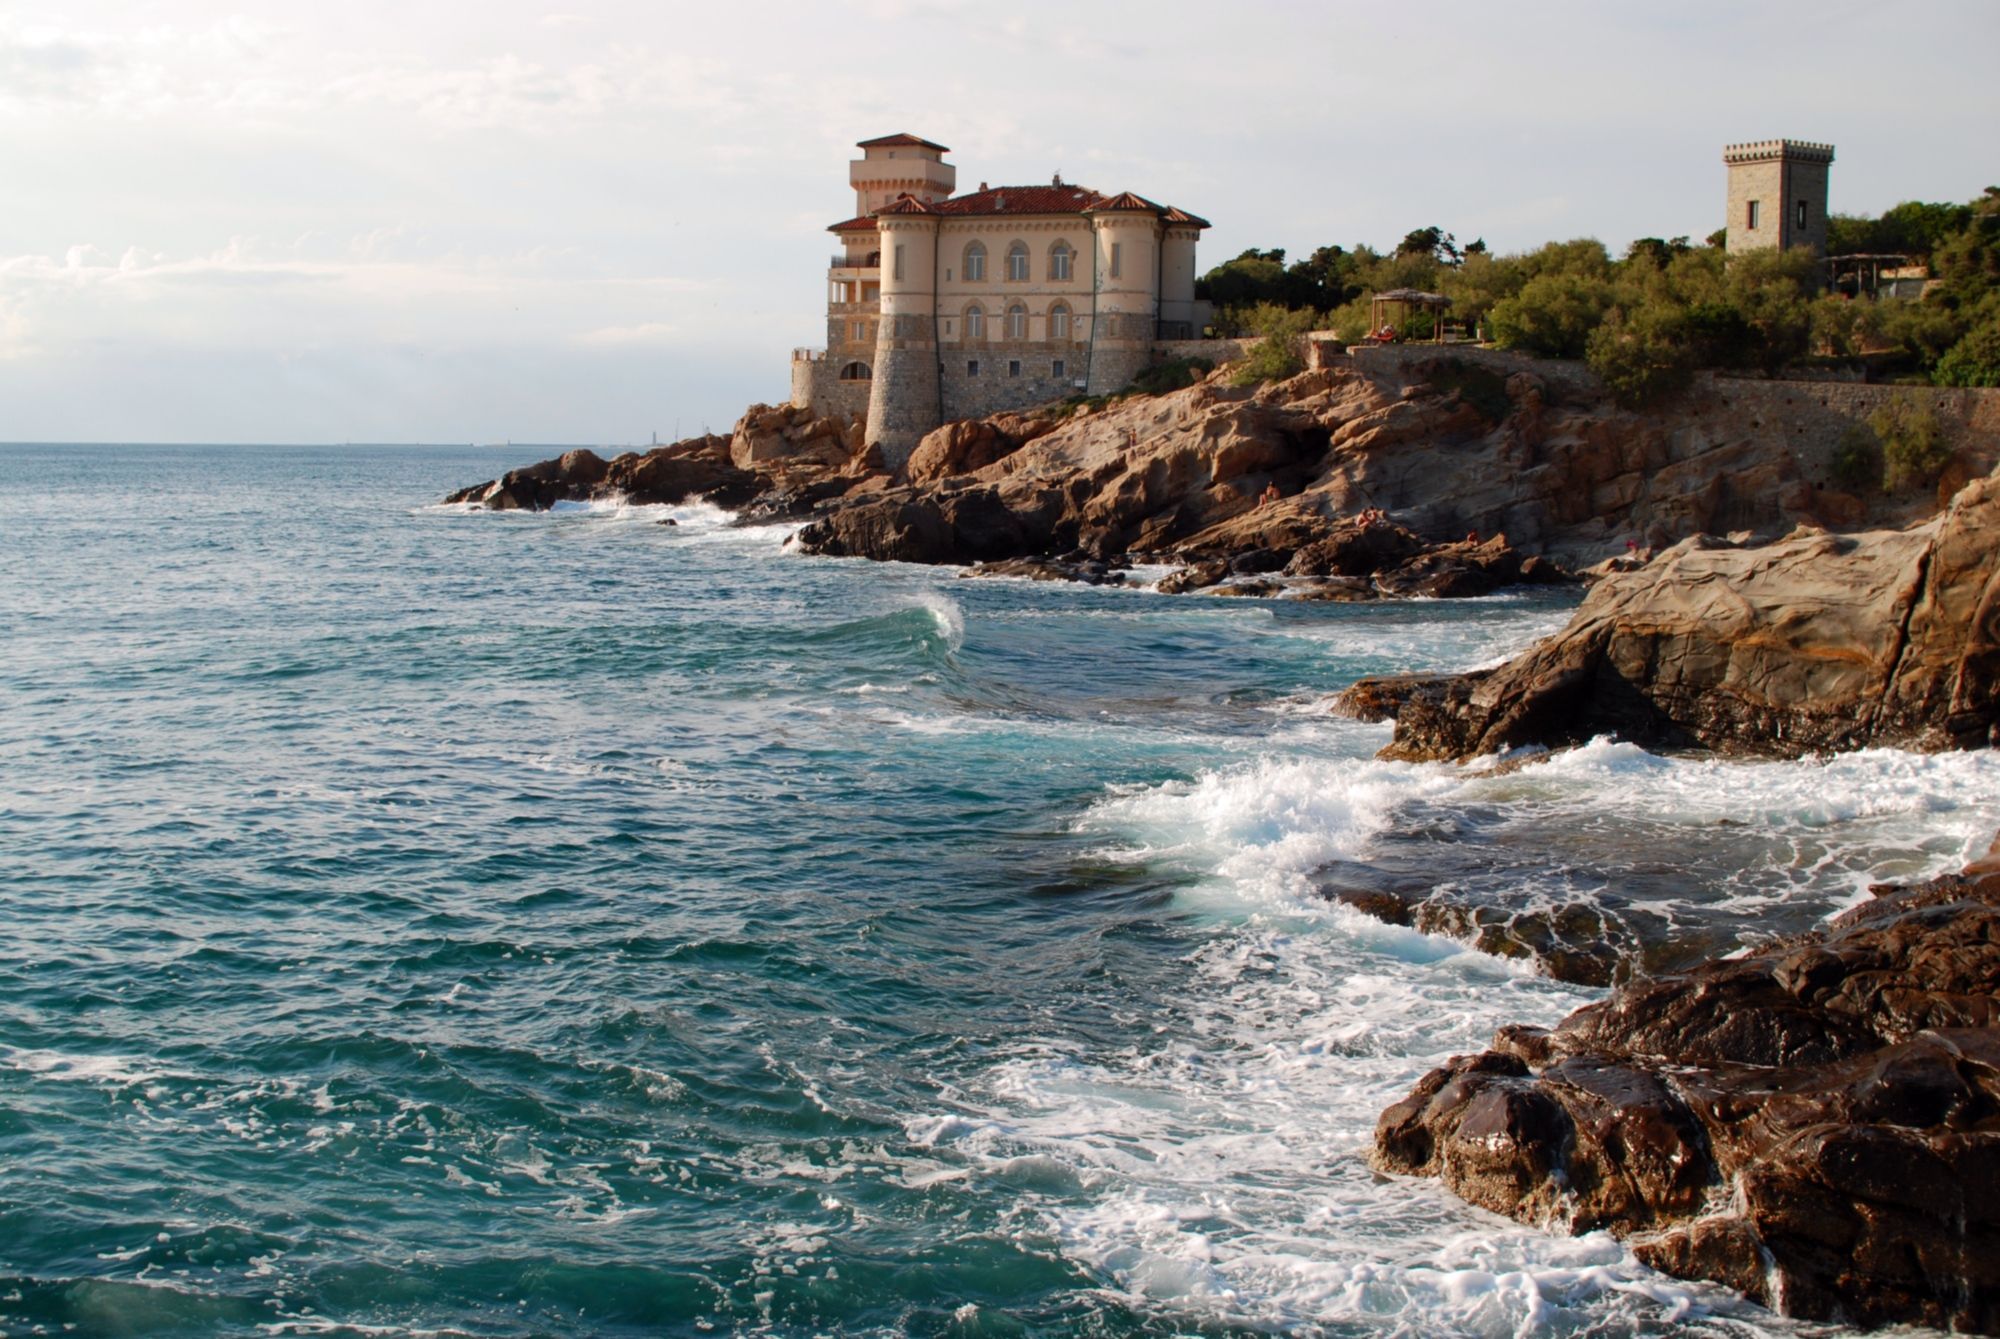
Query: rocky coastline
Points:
[1816, 1122]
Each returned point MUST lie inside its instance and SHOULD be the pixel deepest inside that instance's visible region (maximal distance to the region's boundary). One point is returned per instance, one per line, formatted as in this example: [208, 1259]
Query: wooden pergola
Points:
[1408, 299]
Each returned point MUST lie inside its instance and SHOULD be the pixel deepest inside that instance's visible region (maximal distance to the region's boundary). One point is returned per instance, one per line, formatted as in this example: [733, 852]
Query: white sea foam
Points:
[113, 1070]
[1220, 1172]
[949, 615]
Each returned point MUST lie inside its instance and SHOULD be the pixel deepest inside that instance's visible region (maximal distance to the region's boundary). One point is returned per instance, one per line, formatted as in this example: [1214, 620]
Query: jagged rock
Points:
[1816, 1123]
[1585, 943]
[1339, 590]
[1253, 589]
[1088, 571]
[1195, 576]
[1356, 550]
[966, 445]
[1816, 642]
[771, 437]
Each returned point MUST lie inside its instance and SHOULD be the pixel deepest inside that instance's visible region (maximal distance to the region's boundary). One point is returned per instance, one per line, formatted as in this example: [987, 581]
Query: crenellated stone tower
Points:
[1777, 194]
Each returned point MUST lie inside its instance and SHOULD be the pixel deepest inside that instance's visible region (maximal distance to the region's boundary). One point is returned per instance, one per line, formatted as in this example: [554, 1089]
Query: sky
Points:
[593, 222]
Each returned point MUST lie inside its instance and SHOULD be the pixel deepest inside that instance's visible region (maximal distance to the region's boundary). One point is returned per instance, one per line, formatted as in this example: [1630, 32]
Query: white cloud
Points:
[633, 191]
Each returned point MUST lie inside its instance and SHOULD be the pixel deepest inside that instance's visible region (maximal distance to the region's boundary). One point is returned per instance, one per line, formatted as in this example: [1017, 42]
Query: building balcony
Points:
[873, 262]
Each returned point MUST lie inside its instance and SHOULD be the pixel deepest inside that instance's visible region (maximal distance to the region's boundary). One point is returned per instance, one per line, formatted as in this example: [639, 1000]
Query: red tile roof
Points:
[902, 139]
[1021, 200]
[1004, 201]
[1127, 203]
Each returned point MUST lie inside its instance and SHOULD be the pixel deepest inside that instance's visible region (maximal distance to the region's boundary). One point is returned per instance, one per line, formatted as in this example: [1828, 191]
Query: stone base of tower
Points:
[903, 399]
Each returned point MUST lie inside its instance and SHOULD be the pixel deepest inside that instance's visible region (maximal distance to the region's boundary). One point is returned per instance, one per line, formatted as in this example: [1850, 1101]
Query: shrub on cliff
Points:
[1857, 458]
[1974, 360]
[1644, 358]
[1281, 352]
[1914, 451]
[1173, 375]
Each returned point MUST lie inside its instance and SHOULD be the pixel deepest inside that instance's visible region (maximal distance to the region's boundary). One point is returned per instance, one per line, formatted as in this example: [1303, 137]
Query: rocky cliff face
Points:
[1817, 642]
[1443, 446]
[1446, 448]
[1816, 1124]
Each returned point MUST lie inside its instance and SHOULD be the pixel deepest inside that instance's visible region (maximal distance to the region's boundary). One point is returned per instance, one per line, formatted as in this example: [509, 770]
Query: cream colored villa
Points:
[943, 306]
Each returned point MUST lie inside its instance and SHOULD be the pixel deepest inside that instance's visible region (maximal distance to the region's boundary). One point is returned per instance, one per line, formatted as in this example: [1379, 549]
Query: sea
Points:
[612, 921]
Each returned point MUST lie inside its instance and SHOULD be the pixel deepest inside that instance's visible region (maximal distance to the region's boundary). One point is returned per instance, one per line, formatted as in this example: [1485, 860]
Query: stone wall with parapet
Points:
[816, 385]
[1811, 416]
[1397, 358]
[1217, 351]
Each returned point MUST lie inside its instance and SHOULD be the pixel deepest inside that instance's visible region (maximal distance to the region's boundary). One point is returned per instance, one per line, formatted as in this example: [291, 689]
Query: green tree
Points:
[1553, 314]
[1281, 351]
[1914, 451]
[1643, 359]
[1974, 360]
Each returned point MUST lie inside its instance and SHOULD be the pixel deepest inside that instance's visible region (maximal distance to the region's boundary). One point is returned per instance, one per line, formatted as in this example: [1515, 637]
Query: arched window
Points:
[975, 323]
[1061, 261]
[854, 372]
[1017, 322]
[1059, 322]
[975, 262]
[1017, 262]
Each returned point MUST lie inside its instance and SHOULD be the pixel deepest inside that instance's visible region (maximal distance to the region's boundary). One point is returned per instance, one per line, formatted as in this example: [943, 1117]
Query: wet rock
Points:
[1816, 1123]
[1814, 643]
[1195, 576]
[1254, 589]
[1090, 572]
[1340, 590]
[1584, 943]
[1356, 550]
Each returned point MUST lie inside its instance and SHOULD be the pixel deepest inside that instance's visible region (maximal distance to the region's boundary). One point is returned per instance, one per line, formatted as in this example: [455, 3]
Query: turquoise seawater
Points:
[417, 920]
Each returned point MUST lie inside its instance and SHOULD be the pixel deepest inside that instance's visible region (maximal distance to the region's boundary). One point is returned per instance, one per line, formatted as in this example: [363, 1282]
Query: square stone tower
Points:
[1777, 194]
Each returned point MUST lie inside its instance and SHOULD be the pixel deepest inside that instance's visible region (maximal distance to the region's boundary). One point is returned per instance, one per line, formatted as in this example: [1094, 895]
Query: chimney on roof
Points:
[1056, 180]
[982, 185]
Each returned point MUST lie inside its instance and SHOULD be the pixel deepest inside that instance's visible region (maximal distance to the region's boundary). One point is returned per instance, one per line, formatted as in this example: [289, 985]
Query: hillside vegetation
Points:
[1647, 321]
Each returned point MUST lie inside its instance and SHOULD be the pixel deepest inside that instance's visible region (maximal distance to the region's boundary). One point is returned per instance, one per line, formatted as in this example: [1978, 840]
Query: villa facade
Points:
[943, 306]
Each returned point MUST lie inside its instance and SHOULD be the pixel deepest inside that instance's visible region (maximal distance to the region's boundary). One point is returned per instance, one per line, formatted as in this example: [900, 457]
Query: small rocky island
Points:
[1815, 1123]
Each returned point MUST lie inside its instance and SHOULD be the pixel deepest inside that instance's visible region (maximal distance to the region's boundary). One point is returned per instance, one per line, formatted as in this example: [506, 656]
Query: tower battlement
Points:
[1771, 150]
[1777, 194]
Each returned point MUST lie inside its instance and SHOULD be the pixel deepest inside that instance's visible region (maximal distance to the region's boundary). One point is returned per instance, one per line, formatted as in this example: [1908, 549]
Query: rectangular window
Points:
[1014, 367]
[1115, 247]
[1056, 370]
[972, 367]
[1802, 213]
[858, 329]
[1750, 216]
[899, 260]
[947, 276]
[947, 327]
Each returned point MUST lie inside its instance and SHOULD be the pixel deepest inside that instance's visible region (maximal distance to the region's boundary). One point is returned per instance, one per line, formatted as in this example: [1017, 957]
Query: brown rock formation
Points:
[1816, 1124]
[1816, 642]
[965, 445]
[1444, 446]
[782, 453]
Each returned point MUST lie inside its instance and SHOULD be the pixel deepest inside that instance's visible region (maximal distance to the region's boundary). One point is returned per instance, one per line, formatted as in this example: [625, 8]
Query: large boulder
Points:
[1816, 642]
[1816, 1123]
[965, 445]
[771, 437]
[696, 467]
